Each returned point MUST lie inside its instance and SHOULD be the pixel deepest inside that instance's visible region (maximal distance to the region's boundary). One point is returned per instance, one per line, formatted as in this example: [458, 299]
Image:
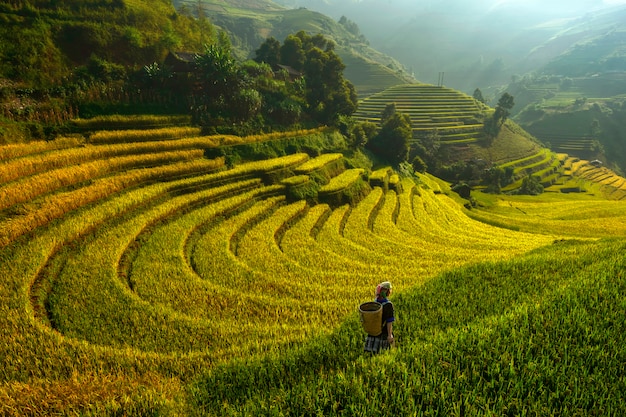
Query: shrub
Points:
[462, 189]
[301, 187]
[419, 165]
[531, 185]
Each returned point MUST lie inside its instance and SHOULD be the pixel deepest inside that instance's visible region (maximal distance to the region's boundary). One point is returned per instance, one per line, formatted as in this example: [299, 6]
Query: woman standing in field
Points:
[384, 341]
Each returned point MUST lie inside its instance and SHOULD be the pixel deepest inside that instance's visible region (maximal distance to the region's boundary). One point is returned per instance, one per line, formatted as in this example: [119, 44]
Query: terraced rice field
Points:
[560, 172]
[573, 144]
[130, 273]
[573, 214]
[454, 115]
[611, 185]
[543, 164]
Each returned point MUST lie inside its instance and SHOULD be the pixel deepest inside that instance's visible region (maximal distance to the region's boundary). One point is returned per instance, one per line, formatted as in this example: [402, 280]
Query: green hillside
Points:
[43, 41]
[577, 121]
[143, 276]
[56, 56]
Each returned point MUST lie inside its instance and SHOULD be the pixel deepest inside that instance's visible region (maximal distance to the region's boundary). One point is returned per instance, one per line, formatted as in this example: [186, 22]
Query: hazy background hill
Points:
[477, 43]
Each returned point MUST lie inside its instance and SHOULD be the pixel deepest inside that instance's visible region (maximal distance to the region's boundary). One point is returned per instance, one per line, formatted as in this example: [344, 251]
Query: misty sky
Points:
[552, 6]
[492, 39]
[368, 13]
[564, 6]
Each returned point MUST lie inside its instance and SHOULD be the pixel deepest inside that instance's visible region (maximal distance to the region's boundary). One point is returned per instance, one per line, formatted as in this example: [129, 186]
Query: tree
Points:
[260, 71]
[370, 129]
[594, 129]
[291, 52]
[496, 177]
[462, 189]
[503, 108]
[269, 52]
[597, 148]
[220, 82]
[350, 26]
[493, 125]
[388, 111]
[357, 133]
[342, 100]
[245, 104]
[327, 93]
[431, 144]
[223, 42]
[392, 142]
[531, 185]
[490, 129]
[478, 96]
[419, 165]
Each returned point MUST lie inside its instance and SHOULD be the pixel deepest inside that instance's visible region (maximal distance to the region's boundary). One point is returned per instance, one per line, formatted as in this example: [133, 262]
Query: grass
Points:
[486, 339]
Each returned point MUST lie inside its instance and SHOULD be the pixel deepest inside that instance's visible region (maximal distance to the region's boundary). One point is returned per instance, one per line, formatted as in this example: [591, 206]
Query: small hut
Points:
[596, 163]
[180, 62]
[292, 73]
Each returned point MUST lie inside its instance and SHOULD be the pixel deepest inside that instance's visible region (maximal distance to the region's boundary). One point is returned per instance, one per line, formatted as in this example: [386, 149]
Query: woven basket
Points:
[372, 317]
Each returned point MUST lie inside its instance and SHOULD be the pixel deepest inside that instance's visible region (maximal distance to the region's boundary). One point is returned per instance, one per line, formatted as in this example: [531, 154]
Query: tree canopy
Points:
[493, 125]
[328, 95]
[478, 96]
[392, 141]
[503, 108]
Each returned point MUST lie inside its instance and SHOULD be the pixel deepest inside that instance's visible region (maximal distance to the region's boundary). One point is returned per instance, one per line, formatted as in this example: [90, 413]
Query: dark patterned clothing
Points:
[375, 344]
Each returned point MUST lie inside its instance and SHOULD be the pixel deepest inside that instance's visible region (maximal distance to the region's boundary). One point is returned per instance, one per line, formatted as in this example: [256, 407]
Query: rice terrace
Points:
[196, 198]
[142, 278]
